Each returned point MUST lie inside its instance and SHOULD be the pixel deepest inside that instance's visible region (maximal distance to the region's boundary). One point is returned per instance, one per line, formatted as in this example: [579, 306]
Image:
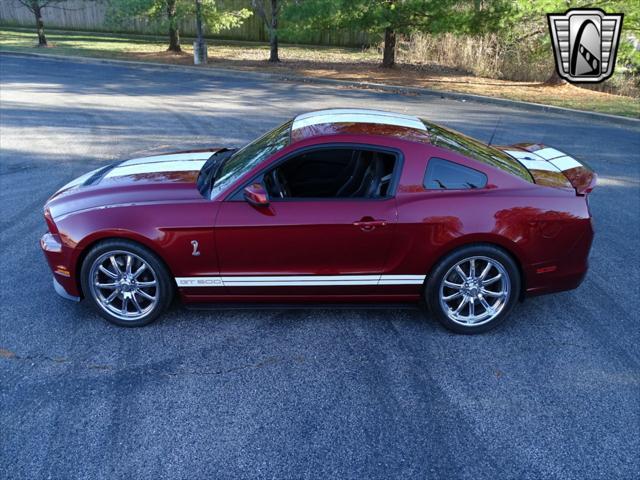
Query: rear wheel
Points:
[126, 283]
[473, 289]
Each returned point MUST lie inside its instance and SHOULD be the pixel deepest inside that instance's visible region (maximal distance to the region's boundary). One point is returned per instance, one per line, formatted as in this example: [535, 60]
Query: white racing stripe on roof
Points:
[155, 167]
[168, 158]
[343, 111]
[357, 116]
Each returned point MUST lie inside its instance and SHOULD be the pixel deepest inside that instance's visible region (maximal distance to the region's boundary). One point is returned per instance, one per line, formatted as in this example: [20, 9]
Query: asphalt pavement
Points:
[363, 394]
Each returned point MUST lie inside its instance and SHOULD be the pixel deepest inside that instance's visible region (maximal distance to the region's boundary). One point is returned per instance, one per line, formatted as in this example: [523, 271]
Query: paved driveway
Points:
[299, 393]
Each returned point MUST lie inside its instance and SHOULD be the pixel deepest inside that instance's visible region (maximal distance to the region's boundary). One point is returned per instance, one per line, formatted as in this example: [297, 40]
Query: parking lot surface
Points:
[354, 393]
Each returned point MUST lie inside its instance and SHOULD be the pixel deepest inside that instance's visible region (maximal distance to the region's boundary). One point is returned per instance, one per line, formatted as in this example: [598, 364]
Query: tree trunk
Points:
[555, 79]
[37, 11]
[174, 31]
[174, 40]
[389, 55]
[273, 33]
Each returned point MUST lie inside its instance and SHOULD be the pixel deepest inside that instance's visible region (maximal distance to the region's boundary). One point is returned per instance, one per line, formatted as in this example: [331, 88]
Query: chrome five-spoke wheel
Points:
[124, 285]
[474, 291]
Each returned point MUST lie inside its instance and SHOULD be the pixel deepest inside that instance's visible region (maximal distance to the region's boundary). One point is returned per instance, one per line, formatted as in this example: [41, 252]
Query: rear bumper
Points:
[62, 292]
[566, 273]
[560, 283]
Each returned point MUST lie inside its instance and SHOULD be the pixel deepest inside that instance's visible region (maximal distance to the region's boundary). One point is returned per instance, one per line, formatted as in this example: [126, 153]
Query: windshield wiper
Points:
[210, 170]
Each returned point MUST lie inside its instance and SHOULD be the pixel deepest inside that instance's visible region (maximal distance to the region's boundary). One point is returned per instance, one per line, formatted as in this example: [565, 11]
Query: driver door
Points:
[302, 244]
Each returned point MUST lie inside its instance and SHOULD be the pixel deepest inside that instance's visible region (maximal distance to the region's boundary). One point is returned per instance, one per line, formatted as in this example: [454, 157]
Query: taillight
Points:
[592, 184]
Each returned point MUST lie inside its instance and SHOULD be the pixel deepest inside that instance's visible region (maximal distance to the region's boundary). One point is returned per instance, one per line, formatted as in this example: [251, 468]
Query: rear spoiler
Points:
[551, 167]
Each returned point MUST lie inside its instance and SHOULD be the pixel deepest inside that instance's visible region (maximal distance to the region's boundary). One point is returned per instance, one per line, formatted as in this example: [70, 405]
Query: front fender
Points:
[168, 230]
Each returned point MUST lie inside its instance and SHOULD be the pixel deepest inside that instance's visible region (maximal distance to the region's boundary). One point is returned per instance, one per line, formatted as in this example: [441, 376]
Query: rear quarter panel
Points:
[542, 227]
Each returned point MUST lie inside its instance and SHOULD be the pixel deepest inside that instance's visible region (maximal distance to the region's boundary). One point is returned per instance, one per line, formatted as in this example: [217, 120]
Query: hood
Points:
[169, 177]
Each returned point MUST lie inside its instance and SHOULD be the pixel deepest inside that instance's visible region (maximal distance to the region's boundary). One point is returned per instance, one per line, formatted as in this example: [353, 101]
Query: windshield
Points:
[469, 147]
[249, 156]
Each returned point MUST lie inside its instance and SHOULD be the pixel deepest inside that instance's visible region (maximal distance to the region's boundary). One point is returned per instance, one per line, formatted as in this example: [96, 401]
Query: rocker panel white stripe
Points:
[300, 281]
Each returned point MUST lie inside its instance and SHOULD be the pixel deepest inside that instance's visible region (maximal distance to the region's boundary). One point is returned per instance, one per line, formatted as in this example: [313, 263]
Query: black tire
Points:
[155, 272]
[444, 268]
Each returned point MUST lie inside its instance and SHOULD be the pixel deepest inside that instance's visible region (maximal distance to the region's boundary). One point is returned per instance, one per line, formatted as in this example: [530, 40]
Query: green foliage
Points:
[122, 12]
[401, 16]
[217, 19]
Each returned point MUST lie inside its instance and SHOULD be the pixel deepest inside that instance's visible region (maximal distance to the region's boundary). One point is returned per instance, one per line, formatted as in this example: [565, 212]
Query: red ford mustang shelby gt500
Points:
[341, 205]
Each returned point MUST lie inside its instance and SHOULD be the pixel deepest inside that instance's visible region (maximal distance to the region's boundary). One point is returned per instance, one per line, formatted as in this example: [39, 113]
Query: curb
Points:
[397, 89]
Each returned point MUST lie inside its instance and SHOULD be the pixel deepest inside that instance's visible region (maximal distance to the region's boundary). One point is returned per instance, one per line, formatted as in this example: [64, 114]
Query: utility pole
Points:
[199, 46]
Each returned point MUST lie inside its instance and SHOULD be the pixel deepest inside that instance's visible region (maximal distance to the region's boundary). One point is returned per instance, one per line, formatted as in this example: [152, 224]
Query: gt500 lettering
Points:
[199, 282]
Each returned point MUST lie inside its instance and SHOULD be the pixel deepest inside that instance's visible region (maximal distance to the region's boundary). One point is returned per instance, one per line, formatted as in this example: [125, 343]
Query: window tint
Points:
[469, 147]
[249, 156]
[332, 173]
[445, 175]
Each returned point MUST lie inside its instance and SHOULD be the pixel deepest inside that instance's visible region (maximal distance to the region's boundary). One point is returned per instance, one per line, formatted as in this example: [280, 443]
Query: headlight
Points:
[51, 243]
[49, 219]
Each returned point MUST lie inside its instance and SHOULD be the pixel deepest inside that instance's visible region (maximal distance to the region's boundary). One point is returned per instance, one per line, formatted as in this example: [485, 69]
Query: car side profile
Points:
[334, 206]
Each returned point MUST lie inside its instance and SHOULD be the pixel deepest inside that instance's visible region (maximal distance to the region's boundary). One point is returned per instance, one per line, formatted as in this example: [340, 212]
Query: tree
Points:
[36, 7]
[161, 13]
[269, 11]
[174, 29]
[389, 18]
[170, 13]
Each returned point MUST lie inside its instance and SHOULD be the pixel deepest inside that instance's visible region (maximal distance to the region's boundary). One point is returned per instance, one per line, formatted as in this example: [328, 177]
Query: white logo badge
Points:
[585, 43]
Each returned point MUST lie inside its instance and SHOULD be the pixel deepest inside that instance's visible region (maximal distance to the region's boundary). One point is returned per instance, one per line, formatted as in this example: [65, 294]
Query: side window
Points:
[445, 175]
[332, 173]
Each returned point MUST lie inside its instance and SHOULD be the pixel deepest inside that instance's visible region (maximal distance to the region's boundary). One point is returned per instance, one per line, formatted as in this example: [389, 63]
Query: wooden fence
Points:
[90, 16]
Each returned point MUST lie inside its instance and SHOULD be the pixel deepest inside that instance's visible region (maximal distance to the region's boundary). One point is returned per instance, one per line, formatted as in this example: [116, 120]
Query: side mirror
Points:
[256, 195]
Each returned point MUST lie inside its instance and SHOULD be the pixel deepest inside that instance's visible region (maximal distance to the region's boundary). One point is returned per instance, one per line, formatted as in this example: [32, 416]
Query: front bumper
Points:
[62, 292]
[60, 260]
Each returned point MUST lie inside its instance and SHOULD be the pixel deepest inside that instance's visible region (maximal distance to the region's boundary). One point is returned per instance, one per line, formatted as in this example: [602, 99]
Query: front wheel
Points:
[127, 284]
[473, 289]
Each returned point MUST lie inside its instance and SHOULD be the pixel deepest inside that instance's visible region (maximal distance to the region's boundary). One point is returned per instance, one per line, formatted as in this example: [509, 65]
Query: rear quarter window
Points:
[445, 175]
[471, 148]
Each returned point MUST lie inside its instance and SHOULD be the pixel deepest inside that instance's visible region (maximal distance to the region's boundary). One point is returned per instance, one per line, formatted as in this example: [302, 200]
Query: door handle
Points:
[367, 224]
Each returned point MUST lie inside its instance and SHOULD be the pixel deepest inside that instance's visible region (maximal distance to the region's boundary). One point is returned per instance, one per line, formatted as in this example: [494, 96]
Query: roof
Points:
[357, 121]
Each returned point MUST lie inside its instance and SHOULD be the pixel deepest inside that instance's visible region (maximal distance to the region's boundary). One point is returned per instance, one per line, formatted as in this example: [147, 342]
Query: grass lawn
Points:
[325, 62]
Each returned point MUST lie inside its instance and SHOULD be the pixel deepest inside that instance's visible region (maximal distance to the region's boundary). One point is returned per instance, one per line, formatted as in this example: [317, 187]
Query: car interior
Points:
[332, 173]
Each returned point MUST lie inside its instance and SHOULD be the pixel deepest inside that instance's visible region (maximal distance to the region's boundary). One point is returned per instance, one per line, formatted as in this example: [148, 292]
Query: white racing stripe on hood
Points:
[168, 158]
[79, 181]
[155, 167]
